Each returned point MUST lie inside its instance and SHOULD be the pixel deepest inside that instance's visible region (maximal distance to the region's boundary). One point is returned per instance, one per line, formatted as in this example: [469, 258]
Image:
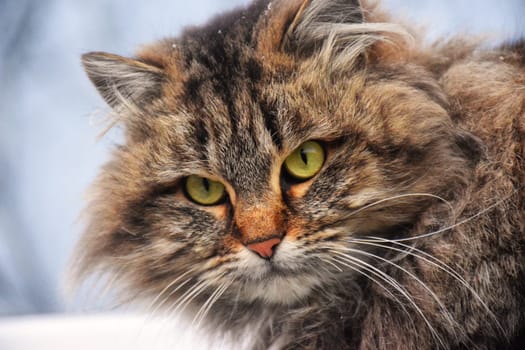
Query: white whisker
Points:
[378, 283]
[194, 290]
[334, 265]
[165, 289]
[206, 307]
[443, 308]
[170, 294]
[434, 262]
[398, 287]
[193, 293]
[384, 200]
[470, 218]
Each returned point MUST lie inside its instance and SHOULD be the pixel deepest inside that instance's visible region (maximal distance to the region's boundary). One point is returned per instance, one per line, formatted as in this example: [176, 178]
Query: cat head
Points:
[261, 144]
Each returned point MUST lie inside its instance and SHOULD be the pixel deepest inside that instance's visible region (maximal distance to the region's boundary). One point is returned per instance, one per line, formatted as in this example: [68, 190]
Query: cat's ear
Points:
[121, 80]
[305, 24]
[336, 32]
[317, 19]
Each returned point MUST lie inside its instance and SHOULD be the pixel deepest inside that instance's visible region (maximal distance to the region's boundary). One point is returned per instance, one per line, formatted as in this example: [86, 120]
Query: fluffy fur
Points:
[410, 237]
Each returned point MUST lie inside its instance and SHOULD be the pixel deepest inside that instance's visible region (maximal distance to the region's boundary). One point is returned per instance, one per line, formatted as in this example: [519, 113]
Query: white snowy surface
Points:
[98, 332]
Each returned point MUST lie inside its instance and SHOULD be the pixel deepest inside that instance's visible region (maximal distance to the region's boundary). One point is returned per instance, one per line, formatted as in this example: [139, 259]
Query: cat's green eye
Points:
[305, 161]
[204, 191]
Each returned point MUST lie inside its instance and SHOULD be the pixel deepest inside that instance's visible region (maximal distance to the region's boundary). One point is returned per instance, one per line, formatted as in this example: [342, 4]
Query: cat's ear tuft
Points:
[121, 80]
[337, 33]
[305, 24]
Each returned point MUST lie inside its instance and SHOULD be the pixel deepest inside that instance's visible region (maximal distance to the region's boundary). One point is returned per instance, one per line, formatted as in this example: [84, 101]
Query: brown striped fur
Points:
[420, 141]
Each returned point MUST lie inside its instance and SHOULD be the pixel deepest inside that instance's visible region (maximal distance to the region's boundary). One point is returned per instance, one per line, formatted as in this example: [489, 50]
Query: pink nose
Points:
[265, 248]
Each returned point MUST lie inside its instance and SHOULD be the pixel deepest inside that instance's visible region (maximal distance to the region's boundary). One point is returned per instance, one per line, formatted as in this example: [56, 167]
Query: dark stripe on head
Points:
[202, 137]
[271, 123]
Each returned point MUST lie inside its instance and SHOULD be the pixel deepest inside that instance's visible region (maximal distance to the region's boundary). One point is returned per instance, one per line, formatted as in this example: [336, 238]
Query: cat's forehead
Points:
[244, 111]
[229, 114]
[236, 138]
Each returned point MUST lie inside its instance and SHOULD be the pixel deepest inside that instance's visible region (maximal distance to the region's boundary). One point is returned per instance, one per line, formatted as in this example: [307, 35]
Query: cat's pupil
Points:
[206, 184]
[304, 157]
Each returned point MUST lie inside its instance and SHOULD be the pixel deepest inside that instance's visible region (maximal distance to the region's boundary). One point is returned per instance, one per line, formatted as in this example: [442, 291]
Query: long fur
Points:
[411, 236]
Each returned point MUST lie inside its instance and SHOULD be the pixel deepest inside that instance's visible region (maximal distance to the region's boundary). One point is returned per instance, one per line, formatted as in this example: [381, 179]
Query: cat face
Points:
[201, 202]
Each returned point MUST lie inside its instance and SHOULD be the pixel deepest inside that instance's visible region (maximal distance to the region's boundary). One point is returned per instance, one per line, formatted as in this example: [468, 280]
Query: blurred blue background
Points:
[50, 115]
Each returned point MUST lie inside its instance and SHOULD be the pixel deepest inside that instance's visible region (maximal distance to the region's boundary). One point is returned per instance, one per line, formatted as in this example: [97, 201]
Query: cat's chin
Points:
[281, 281]
[280, 290]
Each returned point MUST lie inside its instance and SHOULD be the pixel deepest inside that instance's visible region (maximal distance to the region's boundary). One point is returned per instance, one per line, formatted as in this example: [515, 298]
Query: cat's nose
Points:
[264, 249]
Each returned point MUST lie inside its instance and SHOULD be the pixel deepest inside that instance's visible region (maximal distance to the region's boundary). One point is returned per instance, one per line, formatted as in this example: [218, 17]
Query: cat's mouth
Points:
[283, 280]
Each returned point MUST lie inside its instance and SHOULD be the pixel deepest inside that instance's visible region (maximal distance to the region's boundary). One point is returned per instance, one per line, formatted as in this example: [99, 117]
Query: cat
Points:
[307, 175]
